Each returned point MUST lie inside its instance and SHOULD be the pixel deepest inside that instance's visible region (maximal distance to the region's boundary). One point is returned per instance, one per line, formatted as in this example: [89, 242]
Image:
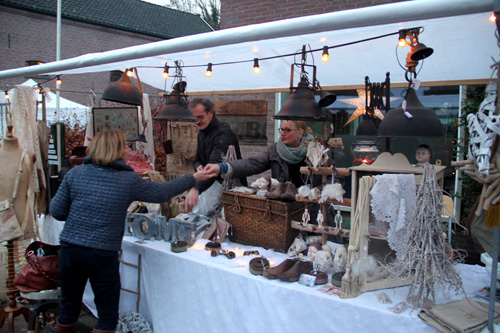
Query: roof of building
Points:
[129, 15]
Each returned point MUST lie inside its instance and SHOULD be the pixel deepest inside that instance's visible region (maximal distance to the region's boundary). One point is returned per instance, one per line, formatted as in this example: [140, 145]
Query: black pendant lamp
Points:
[123, 91]
[416, 122]
[176, 106]
[302, 105]
[366, 127]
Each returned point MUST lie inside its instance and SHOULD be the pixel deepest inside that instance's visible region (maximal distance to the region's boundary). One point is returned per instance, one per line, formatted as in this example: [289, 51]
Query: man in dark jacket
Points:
[214, 138]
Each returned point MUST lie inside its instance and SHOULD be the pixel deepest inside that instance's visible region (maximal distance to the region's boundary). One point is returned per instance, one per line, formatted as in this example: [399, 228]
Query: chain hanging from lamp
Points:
[302, 104]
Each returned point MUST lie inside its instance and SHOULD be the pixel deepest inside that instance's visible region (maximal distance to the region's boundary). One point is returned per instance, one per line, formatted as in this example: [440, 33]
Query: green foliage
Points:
[210, 12]
[74, 133]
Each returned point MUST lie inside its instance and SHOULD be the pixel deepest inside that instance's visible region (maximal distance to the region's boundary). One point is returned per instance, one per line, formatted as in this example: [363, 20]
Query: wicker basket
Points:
[261, 222]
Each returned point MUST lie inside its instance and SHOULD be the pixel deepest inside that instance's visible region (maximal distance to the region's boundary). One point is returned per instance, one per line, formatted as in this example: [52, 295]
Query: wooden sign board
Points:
[248, 120]
[247, 108]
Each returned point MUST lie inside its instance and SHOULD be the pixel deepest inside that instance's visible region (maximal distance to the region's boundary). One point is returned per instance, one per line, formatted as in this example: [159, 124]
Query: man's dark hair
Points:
[207, 104]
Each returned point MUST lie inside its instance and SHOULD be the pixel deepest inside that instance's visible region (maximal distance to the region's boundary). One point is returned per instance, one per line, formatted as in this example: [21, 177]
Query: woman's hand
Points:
[212, 168]
[203, 174]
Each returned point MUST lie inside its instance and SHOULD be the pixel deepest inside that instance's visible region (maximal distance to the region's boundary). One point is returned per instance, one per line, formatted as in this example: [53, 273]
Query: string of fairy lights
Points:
[405, 37]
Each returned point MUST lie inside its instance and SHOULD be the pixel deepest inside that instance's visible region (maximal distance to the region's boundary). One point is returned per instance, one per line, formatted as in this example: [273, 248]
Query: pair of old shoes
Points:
[289, 270]
[284, 192]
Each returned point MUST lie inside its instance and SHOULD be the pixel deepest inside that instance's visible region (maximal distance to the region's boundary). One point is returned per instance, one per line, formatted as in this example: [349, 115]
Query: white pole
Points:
[60, 154]
[457, 202]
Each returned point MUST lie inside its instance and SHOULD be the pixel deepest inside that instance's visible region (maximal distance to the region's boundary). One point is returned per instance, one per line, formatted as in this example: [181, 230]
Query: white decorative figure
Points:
[332, 191]
[483, 128]
[320, 219]
[338, 220]
[322, 261]
[297, 246]
[306, 217]
[340, 259]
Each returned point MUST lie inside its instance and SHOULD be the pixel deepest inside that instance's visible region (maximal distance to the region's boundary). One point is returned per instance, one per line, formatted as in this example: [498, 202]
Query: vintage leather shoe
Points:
[278, 191]
[272, 273]
[293, 274]
[258, 265]
[290, 192]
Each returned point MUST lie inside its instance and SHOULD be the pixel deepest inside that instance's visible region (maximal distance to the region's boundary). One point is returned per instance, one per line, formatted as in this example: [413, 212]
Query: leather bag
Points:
[41, 271]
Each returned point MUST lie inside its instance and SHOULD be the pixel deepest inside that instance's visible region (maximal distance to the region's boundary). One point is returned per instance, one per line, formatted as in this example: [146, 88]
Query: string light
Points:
[58, 80]
[208, 73]
[402, 38]
[165, 72]
[256, 67]
[493, 17]
[129, 72]
[6, 95]
[402, 34]
[325, 56]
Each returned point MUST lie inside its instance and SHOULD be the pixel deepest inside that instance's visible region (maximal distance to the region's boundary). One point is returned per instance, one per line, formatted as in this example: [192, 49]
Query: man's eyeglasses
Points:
[201, 117]
[286, 130]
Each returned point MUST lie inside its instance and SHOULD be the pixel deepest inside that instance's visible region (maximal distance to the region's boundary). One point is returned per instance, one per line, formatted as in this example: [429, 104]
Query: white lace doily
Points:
[393, 201]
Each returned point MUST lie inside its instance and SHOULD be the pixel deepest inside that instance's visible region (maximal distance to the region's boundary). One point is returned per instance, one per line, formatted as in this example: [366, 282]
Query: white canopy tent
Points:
[69, 110]
[459, 31]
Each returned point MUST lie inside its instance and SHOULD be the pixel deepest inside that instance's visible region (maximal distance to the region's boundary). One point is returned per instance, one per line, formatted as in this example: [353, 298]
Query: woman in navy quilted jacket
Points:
[93, 200]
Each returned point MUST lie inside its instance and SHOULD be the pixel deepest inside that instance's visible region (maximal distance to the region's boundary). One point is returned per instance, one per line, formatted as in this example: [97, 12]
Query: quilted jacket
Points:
[93, 201]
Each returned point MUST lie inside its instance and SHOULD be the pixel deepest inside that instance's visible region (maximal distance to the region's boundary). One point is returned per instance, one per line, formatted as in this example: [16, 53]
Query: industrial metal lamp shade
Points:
[176, 107]
[301, 105]
[366, 127]
[424, 121]
[420, 51]
[123, 91]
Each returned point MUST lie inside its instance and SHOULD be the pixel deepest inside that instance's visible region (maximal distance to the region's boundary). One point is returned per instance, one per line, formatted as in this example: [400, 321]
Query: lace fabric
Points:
[393, 201]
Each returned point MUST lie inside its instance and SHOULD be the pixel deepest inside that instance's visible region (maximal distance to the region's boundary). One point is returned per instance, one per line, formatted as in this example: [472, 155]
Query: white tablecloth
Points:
[194, 292]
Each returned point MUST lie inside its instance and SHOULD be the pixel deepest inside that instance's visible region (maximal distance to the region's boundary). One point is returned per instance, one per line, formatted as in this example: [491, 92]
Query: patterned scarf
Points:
[292, 155]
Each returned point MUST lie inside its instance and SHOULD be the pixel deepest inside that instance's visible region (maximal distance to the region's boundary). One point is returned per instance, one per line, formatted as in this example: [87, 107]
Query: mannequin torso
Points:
[10, 157]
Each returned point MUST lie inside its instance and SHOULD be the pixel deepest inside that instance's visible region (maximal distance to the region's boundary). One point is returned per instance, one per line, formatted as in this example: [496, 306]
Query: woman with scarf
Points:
[284, 157]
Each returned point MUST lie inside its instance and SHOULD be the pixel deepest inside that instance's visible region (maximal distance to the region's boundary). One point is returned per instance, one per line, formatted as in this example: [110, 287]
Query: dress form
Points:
[10, 156]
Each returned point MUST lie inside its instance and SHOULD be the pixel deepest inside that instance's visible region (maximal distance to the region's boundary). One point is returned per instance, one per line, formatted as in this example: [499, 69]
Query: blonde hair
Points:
[301, 125]
[107, 146]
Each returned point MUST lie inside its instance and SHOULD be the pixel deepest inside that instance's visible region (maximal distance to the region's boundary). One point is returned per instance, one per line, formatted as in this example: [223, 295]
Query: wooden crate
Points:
[261, 222]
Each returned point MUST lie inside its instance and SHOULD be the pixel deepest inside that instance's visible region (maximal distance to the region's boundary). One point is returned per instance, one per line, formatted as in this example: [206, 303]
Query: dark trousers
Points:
[77, 265]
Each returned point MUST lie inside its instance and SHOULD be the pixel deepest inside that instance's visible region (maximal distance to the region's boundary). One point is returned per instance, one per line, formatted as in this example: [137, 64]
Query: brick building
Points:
[236, 13]
[29, 33]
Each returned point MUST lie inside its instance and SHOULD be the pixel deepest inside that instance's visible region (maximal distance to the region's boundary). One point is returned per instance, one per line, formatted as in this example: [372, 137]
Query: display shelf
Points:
[324, 172]
[365, 242]
[323, 230]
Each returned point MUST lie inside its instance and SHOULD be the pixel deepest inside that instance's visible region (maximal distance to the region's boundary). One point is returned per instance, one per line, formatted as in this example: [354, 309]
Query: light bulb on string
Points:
[402, 38]
[7, 97]
[208, 73]
[256, 67]
[129, 72]
[325, 56]
[58, 80]
[493, 17]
